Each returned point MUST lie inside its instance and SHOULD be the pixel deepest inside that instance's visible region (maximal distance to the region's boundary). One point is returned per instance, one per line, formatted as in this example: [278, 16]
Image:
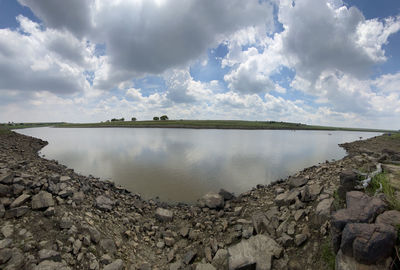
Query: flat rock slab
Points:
[368, 243]
[295, 182]
[20, 200]
[257, 252]
[323, 210]
[344, 262]
[42, 200]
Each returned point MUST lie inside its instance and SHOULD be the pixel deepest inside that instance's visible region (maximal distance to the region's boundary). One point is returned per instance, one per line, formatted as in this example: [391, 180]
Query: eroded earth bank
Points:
[53, 218]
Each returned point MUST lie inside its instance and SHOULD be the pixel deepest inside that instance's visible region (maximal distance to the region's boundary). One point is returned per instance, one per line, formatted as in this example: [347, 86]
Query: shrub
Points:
[133, 119]
[156, 118]
[164, 117]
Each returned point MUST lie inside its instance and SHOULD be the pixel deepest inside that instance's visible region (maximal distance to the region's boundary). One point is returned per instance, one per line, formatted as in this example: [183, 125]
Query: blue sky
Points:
[327, 62]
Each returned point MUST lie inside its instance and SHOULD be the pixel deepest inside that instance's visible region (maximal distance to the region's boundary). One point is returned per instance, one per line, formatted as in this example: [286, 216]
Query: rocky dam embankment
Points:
[54, 218]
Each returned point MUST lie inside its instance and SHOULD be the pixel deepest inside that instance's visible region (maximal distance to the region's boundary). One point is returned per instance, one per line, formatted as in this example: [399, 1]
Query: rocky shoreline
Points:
[53, 218]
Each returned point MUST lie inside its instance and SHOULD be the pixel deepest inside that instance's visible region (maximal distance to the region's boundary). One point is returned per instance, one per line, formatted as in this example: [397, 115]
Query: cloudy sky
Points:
[328, 62]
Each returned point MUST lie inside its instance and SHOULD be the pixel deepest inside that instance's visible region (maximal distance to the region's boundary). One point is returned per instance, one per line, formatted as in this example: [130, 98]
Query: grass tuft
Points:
[387, 189]
[327, 254]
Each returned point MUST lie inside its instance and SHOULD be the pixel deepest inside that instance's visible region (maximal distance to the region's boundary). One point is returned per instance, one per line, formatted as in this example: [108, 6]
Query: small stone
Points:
[226, 194]
[46, 254]
[299, 239]
[184, 231]
[77, 246]
[189, 257]
[17, 212]
[164, 214]
[7, 230]
[5, 243]
[66, 223]
[49, 212]
[299, 214]
[64, 178]
[160, 244]
[108, 246]
[115, 265]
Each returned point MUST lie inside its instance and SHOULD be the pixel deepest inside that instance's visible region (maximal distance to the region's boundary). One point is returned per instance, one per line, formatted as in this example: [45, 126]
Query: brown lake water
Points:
[181, 165]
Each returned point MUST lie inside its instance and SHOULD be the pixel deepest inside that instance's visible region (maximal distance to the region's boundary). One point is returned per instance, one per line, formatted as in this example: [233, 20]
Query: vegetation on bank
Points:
[380, 183]
[215, 124]
[12, 125]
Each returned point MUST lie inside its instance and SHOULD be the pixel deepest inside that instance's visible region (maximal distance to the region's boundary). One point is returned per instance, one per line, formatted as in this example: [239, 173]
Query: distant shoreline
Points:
[195, 124]
[215, 124]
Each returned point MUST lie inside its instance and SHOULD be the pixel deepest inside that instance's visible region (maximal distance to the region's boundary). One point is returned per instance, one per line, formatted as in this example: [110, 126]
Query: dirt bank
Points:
[53, 218]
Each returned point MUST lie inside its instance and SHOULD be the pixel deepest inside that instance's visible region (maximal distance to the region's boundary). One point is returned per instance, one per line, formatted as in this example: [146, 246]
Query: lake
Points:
[181, 165]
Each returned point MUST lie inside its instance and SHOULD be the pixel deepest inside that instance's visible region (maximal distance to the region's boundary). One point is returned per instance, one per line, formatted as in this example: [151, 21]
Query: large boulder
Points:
[104, 203]
[295, 182]
[212, 200]
[368, 243]
[361, 208]
[42, 200]
[287, 198]
[255, 253]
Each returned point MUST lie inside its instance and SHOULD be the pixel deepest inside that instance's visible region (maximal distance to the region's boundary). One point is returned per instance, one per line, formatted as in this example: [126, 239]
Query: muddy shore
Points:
[54, 218]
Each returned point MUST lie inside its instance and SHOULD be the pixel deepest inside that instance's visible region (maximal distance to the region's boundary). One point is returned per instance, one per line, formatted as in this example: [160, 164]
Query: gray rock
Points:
[164, 214]
[7, 230]
[78, 197]
[94, 235]
[323, 210]
[287, 198]
[115, 265]
[104, 203]
[285, 240]
[51, 265]
[42, 200]
[189, 257]
[76, 246]
[108, 246]
[361, 208]
[4, 190]
[205, 266]
[226, 194]
[260, 223]
[5, 243]
[295, 182]
[66, 223]
[17, 259]
[178, 265]
[344, 262]
[391, 217]
[20, 200]
[2, 210]
[212, 200]
[348, 181]
[17, 212]
[257, 252]
[299, 239]
[64, 178]
[220, 260]
[49, 212]
[6, 178]
[5, 255]
[368, 243]
[51, 255]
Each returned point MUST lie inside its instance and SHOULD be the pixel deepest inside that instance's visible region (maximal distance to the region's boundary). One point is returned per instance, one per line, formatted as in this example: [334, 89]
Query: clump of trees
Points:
[133, 119]
[117, 120]
[162, 117]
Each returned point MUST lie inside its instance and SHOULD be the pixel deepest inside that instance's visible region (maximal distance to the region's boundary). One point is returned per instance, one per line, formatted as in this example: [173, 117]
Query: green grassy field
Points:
[214, 124]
